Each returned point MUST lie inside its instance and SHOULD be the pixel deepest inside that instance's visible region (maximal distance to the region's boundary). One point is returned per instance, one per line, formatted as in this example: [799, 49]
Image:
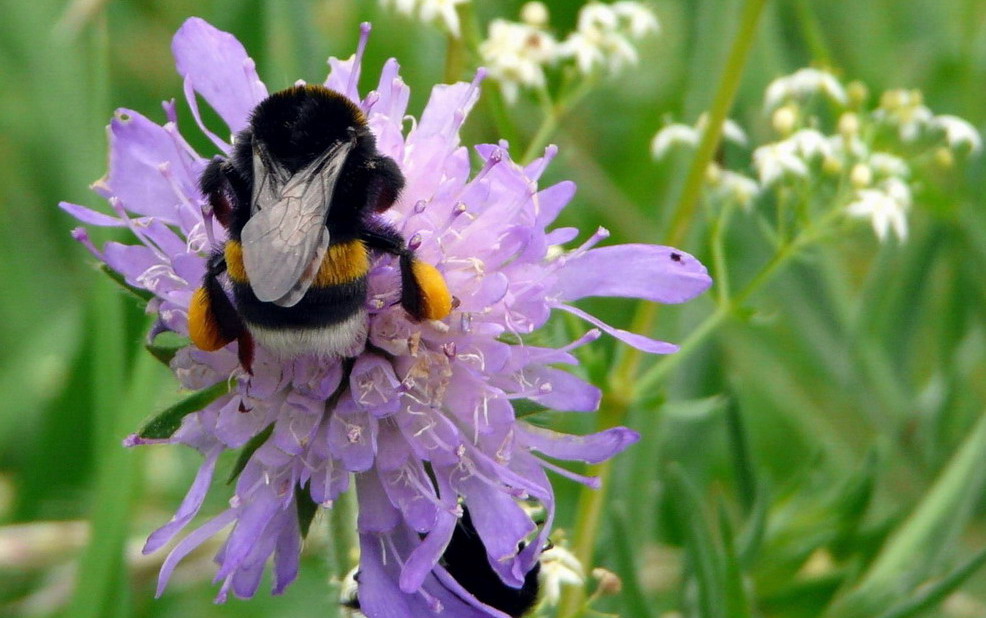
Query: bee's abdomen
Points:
[336, 295]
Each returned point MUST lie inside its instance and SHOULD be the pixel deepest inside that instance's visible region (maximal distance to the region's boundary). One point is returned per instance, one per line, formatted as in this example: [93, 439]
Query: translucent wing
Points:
[285, 239]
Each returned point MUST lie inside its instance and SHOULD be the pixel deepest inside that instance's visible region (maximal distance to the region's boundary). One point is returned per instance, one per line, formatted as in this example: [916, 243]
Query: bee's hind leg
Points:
[424, 294]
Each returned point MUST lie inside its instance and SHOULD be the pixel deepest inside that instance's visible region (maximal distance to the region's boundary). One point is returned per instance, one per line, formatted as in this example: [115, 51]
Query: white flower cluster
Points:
[441, 11]
[728, 185]
[869, 161]
[517, 53]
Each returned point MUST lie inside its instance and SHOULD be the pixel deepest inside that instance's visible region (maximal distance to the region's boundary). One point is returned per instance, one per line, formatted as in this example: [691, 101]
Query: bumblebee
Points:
[299, 197]
[466, 561]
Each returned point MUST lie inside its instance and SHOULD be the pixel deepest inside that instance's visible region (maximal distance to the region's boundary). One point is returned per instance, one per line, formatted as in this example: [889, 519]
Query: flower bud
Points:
[534, 14]
[785, 119]
[609, 582]
[861, 176]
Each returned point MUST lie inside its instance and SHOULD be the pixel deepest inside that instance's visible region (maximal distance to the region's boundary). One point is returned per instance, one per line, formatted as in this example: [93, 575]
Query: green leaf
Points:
[248, 450]
[166, 423]
[936, 593]
[699, 542]
[624, 550]
[165, 346]
[915, 548]
[737, 603]
[306, 509]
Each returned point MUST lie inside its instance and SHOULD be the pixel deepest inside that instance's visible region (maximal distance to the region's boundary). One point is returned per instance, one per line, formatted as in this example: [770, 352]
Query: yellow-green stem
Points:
[622, 380]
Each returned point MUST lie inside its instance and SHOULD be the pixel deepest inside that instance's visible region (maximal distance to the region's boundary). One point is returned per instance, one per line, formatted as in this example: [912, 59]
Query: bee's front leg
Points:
[424, 294]
[213, 321]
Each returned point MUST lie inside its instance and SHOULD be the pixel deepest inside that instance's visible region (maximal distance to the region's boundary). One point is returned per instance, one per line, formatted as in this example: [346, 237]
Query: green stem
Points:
[553, 117]
[343, 530]
[629, 358]
[732, 74]
[622, 382]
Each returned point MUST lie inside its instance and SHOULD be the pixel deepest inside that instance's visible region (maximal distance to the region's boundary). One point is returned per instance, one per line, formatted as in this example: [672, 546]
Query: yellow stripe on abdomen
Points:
[343, 263]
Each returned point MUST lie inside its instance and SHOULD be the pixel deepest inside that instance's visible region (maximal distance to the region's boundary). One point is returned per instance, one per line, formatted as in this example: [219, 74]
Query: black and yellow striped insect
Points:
[298, 198]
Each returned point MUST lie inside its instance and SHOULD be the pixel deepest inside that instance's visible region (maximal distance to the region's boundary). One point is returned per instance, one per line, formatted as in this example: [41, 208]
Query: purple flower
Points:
[424, 421]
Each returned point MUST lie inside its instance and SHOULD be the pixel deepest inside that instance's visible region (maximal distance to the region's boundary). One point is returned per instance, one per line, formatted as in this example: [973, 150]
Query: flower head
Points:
[516, 53]
[441, 11]
[603, 35]
[421, 422]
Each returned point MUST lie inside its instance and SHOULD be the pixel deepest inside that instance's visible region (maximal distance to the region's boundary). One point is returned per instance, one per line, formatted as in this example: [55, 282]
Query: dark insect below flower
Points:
[466, 560]
[299, 198]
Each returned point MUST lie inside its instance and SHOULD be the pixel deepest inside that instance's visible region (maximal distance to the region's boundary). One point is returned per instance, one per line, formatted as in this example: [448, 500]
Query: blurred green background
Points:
[777, 464]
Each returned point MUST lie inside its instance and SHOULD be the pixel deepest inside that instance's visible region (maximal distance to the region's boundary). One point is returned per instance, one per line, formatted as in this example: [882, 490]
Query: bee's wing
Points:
[285, 238]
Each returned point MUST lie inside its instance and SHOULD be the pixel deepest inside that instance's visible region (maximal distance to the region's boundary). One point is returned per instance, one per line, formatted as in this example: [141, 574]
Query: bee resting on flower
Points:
[421, 423]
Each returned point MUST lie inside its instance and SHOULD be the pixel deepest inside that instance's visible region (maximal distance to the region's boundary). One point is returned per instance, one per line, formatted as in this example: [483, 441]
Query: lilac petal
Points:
[394, 93]
[287, 552]
[131, 261]
[376, 513]
[90, 217]
[374, 385]
[562, 390]
[257, 513]
[148, 170]
[246, 577]
[426, 555]
[561, 236]
[189, 543]
[215, 65]
[552, 200]
[498, 519]
[189, 506]
[297, 422]
[646, 344]
[592, 448]
[352, 438]
[409, 489]
[651, 272]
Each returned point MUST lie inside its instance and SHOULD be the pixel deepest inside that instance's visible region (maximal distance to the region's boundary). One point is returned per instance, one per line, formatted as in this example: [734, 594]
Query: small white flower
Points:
[534, 14]
[639, 19]
[442, 11]
[809, 143]
[959, 133]
[515, 55]
[601, 38]
[739, 188]
[861, 176]
[802, 84]
[730, 130]
[885, 207]
[887, 165]
[774, 161]
[904, 109]
[675, 134]
[558, 566]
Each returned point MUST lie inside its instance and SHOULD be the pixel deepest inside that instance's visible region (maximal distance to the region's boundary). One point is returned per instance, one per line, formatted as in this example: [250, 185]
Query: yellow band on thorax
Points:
[344, 262]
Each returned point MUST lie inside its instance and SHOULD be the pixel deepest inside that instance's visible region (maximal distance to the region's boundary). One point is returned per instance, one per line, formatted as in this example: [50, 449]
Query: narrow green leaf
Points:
[914, 549]
[306, 509]
[699, 542]
[248, 450]
[165, 423]
[936, 593]
[746, 476]
[165, 346]
[751, 538]
[737, 603]
[624, 550]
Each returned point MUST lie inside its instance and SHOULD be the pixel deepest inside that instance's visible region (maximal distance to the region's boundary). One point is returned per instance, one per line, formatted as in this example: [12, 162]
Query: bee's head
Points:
[298, 124]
